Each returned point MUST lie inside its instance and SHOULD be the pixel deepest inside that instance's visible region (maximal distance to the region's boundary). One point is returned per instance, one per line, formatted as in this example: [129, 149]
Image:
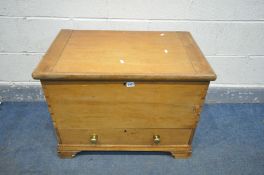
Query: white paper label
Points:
[130, 84]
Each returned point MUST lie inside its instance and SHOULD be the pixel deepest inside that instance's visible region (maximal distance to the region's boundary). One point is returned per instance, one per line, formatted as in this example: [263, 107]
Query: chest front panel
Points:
[114, 105]
[118, 114]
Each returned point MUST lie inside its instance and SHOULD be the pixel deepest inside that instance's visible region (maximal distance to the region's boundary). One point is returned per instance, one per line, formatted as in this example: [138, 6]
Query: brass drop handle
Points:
[156, 139]
[94, 139]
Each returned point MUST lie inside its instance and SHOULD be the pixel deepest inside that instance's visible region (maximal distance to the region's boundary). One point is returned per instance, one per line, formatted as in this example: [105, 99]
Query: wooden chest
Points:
[129, 91]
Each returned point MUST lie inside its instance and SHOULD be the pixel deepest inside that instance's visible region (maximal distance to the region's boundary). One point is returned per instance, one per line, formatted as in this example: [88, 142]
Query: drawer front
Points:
[113, 105]
[125, 136]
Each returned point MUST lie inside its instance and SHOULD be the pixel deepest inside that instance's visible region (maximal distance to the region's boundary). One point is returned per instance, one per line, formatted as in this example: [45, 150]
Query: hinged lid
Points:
[124, 55]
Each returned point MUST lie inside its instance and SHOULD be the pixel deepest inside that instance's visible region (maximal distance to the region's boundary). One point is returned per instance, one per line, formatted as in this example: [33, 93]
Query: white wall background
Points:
[229, 32]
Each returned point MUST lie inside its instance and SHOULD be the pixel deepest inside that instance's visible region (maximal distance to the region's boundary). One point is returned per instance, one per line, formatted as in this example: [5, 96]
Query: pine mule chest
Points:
[124, 91]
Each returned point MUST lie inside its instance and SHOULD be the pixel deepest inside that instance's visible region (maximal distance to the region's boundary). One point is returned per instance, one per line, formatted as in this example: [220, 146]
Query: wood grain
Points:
[113, 105]
[116, 92]
[123, 55]
[124, 115]
[53, 54]
[198, 60]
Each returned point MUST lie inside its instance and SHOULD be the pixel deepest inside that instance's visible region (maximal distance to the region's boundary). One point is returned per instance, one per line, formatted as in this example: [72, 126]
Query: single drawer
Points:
[125, 136]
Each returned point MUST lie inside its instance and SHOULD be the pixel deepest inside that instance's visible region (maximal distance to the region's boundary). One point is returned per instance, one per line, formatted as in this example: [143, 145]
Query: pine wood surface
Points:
[113, 105]
[119, 55]
[177, 151]
[84, 75]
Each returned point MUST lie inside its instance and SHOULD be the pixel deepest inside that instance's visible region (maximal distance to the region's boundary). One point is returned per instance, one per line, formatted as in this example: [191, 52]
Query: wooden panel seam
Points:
[58, 57]
[52, 55]
[53, 119]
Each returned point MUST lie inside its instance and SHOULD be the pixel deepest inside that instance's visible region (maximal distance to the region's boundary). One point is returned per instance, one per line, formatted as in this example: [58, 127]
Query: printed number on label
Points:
[130, 84]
